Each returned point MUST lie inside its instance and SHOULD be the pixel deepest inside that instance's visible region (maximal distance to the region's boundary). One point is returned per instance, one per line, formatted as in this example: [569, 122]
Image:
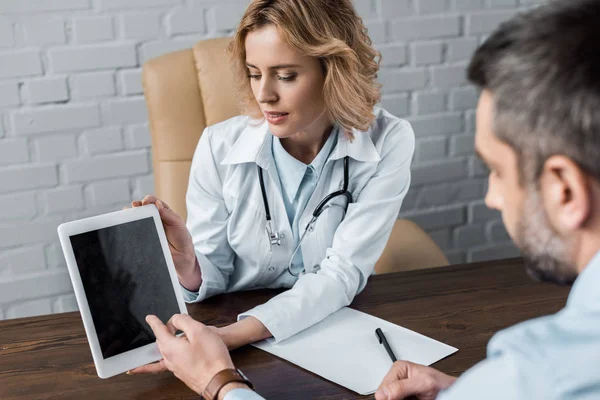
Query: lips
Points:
[275, 114]
[276, 117]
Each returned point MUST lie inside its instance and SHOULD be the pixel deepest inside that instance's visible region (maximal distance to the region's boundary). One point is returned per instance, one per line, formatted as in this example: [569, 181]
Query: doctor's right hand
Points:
[180, 243]
[407, 379]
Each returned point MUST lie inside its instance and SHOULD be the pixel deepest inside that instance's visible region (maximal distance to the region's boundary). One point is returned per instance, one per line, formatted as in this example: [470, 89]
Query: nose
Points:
[493, 199]
[266, 92]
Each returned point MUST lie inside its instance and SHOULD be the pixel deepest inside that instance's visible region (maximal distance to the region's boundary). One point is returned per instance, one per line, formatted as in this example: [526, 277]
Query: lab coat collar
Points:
[253, 146]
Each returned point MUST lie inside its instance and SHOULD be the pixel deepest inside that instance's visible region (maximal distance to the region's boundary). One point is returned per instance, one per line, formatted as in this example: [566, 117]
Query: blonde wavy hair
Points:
[329, 30]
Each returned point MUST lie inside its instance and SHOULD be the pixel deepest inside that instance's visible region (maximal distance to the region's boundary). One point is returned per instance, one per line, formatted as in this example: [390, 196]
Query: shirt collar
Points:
[585, 292]
[291, 171]
[252, 146]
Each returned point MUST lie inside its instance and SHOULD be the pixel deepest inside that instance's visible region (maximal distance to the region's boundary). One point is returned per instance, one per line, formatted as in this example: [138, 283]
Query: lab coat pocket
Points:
[327, 224]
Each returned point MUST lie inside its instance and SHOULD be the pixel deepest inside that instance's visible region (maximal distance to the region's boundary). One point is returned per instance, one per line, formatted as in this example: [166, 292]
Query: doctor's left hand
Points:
[194, 358]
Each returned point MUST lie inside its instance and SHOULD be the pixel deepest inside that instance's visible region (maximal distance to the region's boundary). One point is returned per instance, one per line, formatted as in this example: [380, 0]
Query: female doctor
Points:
[301, 191]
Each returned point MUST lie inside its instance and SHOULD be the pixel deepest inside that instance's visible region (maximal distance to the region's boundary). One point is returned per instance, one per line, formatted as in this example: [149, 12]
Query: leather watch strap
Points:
[221, 379]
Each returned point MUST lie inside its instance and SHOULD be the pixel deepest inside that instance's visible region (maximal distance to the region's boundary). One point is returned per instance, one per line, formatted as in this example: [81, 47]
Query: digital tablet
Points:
[121, 269]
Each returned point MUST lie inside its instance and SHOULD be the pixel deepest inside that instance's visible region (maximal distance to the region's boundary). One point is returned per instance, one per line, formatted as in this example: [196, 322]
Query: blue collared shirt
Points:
[553, 357]
[298, 182]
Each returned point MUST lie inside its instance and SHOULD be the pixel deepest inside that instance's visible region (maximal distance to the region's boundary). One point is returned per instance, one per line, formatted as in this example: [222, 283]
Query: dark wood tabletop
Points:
[48, 357]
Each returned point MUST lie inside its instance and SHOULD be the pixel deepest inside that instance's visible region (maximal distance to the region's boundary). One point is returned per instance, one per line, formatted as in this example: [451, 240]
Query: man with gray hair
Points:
[538, 130]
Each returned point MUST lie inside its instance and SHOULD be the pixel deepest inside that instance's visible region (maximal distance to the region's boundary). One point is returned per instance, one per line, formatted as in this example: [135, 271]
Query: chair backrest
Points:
[185, 91]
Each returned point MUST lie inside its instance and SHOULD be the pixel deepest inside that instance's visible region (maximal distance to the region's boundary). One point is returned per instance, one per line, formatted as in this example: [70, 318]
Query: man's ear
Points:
[566, 194]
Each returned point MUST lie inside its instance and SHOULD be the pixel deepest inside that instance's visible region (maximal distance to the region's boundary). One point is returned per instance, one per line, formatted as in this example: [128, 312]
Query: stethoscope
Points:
[275, 237]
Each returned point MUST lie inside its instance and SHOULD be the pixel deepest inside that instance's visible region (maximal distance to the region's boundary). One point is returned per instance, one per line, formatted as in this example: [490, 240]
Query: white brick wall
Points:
[74, 137]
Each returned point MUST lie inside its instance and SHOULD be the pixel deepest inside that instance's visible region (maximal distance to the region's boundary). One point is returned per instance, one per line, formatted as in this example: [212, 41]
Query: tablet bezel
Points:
[142, 355]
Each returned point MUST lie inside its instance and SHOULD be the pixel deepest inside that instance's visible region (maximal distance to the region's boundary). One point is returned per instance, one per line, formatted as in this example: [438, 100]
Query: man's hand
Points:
[194, 358]
[407, 379]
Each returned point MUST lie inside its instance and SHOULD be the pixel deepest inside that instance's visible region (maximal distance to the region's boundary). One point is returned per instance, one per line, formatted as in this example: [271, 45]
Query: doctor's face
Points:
[523, 213]
[287, 85]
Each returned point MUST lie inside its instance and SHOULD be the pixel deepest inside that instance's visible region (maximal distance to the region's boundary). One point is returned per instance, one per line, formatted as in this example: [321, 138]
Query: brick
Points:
[449, 76]
[427, 53]
[18, 178]
[54, 118]
[455, 257]
[92, 85]
[22, 261]
[13, 151]
[93, 29]
[430, 102]
[435, 219]
[151, 50]
[402, 80]
[125, 111]
[470, 121]
[65, 303]
[392, 54]
[106, 167]
[460, 49]
[104, 140]
[425, 28]
[454, 193]
[9, 94]
[43, 31]
[17, 206]
[365, 8]
[56, 148]
[468, 5]
[7, 35]
[133, 4]
[410, 200]
[22, 6]
[109, 192]
[478, 168]
[503, 3]
[131, 82]
[479, 212]
[19, 63]
[432, 149]
[462, 145]
[469, 236]
[33, 232]
[437, 125]
[64, 198]
[464, 99]
[225, 17]
[486, 22]
[496, 232]
[55, 258]
[397, 104]
[376, 31]
[29, 309]
[433, 6]
[494, 252]
[439, 172]
[45, 90]
[441, 237]
[138, 137]
[140, 26]
[396, 8]
[143, 186]
[92, 57]
[183, 20]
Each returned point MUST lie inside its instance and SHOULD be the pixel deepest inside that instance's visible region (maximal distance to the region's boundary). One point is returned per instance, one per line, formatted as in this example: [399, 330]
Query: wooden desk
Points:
[48, 357]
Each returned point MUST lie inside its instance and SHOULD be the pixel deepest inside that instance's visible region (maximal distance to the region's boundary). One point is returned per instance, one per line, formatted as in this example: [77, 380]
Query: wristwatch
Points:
[221, 379]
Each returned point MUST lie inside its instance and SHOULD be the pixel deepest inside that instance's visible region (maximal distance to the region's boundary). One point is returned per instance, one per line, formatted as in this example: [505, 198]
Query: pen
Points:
[384, 342]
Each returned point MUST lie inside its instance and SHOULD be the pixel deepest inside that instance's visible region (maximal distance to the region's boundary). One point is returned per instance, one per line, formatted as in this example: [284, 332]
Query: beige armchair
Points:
[190, 89]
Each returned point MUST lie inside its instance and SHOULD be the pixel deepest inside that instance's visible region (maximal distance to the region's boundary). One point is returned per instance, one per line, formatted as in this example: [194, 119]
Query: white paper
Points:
[343, 348]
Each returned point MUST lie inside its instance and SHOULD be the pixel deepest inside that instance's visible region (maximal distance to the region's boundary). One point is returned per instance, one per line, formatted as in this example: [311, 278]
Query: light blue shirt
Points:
[298, 182]
[553, 357]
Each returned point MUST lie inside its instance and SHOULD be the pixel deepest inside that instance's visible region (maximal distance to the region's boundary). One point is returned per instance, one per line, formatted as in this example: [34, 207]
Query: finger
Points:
[162, 333]
[398, 372]
[185, 323]
[153, 368]
[149, 199]
[400, 389]
[136, 203]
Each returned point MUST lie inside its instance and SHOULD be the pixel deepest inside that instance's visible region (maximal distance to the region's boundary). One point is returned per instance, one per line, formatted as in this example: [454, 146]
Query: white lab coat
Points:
[227, 220]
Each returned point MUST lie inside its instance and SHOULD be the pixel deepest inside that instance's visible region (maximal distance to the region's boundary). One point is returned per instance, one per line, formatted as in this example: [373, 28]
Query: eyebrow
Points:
[274, 67]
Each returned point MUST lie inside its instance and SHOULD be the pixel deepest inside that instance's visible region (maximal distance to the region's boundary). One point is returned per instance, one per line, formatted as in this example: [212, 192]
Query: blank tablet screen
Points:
[125, 278]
